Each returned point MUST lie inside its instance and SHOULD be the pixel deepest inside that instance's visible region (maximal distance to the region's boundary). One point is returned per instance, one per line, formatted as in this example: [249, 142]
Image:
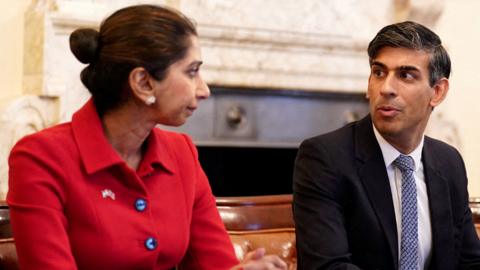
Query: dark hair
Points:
[146, 36]
[415, 36]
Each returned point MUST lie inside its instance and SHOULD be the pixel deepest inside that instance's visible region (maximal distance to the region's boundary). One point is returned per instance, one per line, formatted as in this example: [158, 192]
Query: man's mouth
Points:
[388, 110]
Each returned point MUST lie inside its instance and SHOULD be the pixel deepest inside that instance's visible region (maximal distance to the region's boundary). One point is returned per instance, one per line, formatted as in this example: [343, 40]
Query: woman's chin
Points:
[175, 123]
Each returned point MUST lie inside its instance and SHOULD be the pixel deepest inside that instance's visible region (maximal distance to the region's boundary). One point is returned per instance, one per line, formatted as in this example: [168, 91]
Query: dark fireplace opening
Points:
[237, 171]
[248, 138]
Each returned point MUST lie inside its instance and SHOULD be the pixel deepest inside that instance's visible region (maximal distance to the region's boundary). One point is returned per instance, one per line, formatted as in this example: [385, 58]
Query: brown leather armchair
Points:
[8, 255]
[475, 208]
[260, 221]
[252, 222]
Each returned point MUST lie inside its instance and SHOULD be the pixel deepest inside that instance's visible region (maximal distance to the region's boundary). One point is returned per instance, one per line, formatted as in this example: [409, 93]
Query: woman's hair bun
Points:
[84, 44]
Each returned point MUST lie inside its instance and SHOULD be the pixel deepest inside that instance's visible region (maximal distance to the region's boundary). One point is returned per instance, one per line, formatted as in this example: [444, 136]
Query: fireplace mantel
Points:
[276, 44]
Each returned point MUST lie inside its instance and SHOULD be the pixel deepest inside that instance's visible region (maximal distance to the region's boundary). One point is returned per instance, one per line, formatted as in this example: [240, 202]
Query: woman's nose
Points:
[203, 91]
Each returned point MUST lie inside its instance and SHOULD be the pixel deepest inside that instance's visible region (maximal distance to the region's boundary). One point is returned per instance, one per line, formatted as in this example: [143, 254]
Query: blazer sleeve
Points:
[210, 246]
[318, 210]
[36, 199]
[470, 249]
[470, 244]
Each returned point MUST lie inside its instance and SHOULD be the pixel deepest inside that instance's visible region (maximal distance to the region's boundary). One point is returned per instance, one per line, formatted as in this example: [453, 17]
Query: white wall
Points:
[459, 28]
[11, 47]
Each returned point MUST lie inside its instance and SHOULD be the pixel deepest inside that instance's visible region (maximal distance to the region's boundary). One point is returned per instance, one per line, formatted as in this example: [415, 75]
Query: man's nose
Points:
[389, 86]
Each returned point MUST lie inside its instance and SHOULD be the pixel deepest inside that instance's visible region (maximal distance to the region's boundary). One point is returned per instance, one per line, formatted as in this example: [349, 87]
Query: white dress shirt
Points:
[395, 179]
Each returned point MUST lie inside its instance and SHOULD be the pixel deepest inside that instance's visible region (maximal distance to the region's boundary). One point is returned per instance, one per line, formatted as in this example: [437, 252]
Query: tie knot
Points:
[404, 163]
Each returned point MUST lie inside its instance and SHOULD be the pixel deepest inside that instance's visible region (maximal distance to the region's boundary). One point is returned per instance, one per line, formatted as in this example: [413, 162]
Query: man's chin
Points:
[387, 128]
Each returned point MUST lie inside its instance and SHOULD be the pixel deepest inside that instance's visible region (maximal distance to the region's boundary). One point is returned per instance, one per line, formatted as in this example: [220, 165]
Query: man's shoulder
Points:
[341, 137]
[438, 146]
[443, 154]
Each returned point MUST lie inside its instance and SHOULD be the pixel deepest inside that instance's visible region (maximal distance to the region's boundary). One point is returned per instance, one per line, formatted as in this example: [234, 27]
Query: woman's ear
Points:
[440, 92]
[140, 82]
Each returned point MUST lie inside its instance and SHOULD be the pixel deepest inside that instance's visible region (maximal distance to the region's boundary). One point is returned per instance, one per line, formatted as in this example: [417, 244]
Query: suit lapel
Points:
[373, 174]
[440, 211]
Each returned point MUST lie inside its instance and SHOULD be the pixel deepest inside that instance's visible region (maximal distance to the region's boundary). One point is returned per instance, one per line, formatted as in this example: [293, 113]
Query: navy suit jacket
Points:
[343, 207]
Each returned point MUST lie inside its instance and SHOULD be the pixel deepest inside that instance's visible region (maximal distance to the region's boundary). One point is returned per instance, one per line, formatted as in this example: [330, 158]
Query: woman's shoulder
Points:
[53, 137]
[172, 136]
[176, 141]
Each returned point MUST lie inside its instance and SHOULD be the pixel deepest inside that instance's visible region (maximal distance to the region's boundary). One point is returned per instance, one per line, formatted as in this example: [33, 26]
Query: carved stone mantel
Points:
[278, 44]
[21, 116]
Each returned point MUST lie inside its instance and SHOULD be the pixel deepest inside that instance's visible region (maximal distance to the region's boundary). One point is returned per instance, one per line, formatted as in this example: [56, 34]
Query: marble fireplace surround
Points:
[303, 45]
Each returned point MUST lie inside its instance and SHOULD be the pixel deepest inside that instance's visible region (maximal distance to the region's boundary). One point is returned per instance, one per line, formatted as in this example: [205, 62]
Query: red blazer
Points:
[75, 204]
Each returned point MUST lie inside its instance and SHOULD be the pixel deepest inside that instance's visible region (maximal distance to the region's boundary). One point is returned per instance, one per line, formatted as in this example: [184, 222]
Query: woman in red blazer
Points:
[108, 190]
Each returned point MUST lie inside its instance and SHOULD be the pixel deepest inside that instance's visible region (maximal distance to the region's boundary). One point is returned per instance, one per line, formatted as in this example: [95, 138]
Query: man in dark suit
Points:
[377, 193]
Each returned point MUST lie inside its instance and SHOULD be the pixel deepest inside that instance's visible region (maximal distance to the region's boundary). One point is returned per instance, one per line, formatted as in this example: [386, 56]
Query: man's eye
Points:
[406, 75]
[378, 72]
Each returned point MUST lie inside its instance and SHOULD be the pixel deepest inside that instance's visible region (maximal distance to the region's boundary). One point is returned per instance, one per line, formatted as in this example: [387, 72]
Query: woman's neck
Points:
[127, 128]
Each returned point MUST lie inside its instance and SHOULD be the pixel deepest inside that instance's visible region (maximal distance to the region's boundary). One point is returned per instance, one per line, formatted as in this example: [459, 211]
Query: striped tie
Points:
[409, 237]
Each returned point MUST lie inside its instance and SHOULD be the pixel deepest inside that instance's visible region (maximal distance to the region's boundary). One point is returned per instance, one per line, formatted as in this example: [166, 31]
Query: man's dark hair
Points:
[411, 35]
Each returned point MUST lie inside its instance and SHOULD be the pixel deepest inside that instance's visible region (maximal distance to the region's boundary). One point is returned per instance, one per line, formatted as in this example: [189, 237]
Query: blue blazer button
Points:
[140, 205]
[151, 243]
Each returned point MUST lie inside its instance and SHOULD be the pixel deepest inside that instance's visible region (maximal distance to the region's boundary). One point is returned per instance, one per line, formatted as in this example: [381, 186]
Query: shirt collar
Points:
[158, 153]
[390, 153]
[97, 153]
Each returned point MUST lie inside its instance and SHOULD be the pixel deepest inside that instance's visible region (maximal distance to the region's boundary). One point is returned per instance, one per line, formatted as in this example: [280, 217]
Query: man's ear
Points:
[140, 82]
[440, 92]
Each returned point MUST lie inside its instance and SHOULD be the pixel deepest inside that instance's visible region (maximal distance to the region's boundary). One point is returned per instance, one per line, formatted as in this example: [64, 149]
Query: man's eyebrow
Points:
[408, 68]
[402, 68]
[376, 63]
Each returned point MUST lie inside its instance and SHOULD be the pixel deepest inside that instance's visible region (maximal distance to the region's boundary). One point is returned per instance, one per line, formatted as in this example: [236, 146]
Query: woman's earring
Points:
[150, 100]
